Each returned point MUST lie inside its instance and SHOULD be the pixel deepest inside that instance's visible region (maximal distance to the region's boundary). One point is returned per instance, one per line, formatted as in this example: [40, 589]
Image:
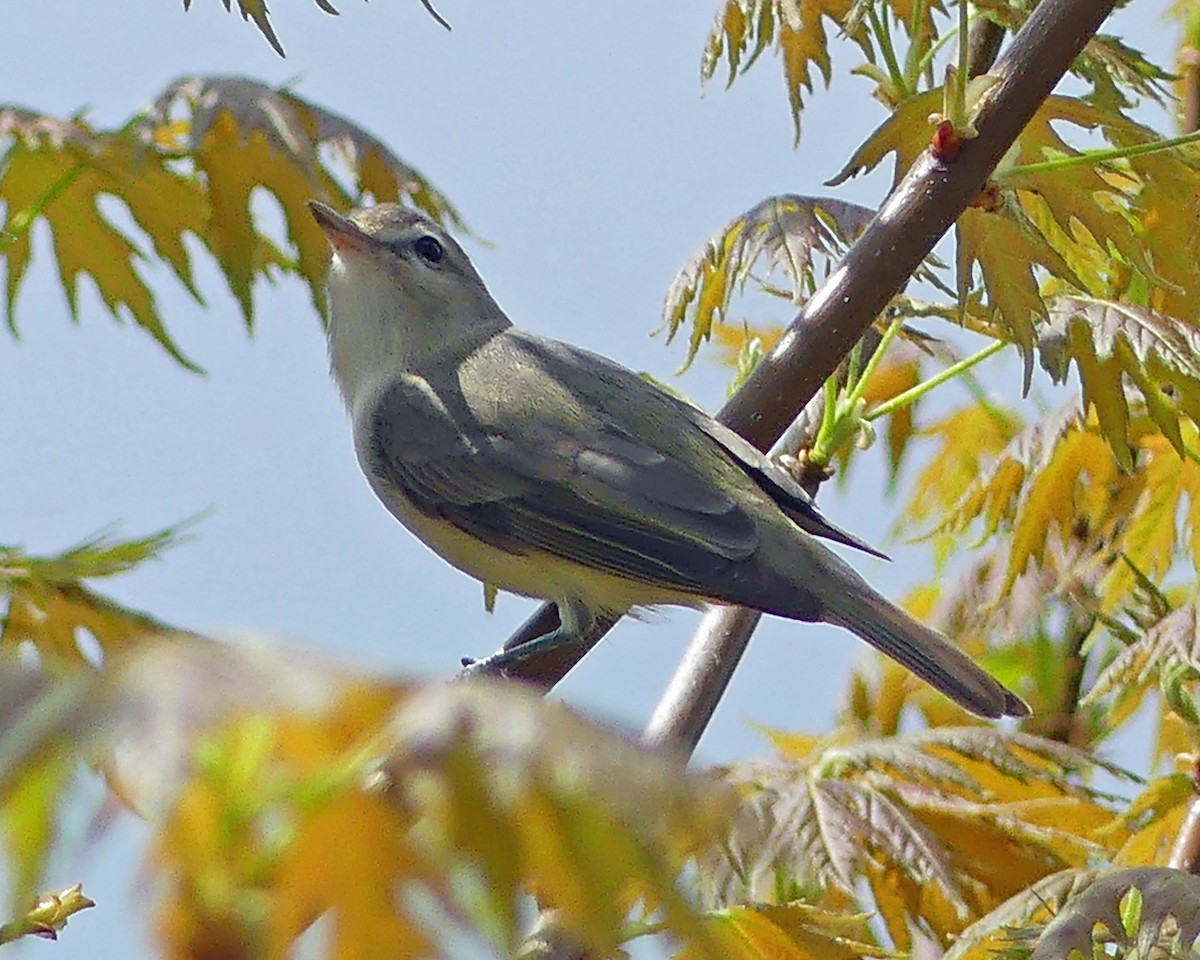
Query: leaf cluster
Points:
[285, 790]
[189, 166]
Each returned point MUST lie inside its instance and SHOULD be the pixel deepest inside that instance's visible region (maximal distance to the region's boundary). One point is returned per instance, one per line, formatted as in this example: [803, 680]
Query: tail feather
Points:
[871, 616]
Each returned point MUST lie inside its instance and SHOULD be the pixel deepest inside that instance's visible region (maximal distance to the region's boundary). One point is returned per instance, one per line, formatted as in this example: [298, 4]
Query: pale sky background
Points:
[573, 136]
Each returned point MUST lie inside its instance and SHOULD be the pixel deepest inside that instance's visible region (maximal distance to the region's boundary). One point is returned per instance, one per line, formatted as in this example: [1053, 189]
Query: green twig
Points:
[1091, 157]
[883, 34]
[915, 393]
[914, 59]
[860, 384]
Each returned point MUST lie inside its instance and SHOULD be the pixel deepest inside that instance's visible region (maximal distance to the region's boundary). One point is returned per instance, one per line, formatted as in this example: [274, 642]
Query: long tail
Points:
[868, 614]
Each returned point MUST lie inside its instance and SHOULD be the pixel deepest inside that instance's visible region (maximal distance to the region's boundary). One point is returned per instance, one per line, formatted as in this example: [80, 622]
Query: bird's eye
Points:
[429, 249]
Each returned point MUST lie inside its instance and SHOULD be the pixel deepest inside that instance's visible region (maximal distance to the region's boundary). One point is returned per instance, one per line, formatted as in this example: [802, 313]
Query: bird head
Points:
[402, 293]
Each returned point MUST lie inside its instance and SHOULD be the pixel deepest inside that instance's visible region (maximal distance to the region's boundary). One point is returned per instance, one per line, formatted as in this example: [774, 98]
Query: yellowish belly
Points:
[541, 575]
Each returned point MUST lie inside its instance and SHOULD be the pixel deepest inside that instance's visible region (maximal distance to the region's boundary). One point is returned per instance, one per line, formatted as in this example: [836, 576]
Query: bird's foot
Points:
[499, 663]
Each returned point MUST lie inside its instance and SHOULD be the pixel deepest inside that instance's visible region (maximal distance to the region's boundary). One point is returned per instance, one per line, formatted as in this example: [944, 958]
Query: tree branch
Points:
[1185, 854]
[904, 231]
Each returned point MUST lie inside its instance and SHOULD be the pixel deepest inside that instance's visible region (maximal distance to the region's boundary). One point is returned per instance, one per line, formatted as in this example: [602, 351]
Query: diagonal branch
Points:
[912, 220]
[919, 211]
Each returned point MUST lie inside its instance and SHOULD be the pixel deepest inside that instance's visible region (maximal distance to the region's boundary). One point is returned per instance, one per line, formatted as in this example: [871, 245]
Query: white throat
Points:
[378, 330]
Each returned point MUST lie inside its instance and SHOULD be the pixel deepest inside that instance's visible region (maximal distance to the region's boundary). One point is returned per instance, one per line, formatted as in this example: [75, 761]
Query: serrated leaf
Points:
[256, 11]
[1087, 224]
[1144, 516]
[941, 825]
[294, 788]
[189, 165]
[1154, 819]
[1008, 251]
[969, 457]
[1116, 70]
[1060, 495]
[57, 171]
[244, 135]
[1111, 343]
[994, 490]
[1174, 639]
[905, 133]
[794, 931]
[784, 233]
[796, 28]
[49, 604]
[1058, 486]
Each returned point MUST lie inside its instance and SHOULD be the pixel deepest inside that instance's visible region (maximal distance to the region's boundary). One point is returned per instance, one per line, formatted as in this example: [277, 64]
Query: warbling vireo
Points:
[548, 471]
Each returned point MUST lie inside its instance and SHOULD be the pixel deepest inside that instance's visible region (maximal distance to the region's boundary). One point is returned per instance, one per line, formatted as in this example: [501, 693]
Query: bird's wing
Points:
[593, 495]
[780, 485]
[624, 387]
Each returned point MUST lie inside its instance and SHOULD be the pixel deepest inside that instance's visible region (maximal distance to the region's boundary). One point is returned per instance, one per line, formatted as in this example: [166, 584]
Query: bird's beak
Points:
[342, 232]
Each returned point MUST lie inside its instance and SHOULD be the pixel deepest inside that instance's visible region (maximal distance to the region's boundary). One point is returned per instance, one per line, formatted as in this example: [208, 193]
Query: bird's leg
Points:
[574, 620]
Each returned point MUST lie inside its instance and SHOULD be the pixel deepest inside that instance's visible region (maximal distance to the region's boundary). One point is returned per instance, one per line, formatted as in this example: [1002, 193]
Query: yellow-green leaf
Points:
[50, 605]
[796, 28]
[58, 171]
[256, 11]
[785, 233]
[794, 931]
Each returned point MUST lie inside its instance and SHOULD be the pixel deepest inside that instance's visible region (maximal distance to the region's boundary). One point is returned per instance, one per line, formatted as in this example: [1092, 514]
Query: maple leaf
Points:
[962, 462]
[1114, 343]
[1088, 224]
[1153, 820]
[1044, 480]
[1110, 64]
[243, 135]
[58, 170]
[785, 232]
[189, 164]
[287, 788]
[795, 27]
[1116, 70]
[50, 606]
[793, 931]
[941, 825]
[1059, 481]
[1173, 641]
[256, 11]
[1144, 518]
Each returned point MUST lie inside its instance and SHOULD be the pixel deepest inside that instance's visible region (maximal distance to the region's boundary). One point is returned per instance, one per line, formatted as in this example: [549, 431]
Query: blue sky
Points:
[572, 136]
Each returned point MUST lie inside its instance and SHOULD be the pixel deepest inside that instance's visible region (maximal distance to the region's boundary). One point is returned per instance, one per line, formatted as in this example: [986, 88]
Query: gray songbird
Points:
[548, 471]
